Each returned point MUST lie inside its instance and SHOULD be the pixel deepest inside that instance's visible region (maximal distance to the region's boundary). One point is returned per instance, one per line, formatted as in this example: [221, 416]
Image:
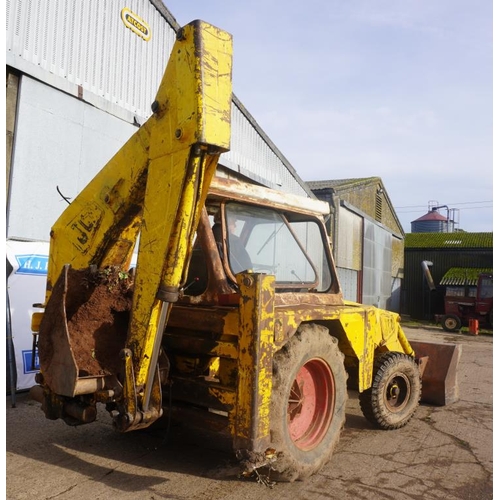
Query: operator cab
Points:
[260, 239]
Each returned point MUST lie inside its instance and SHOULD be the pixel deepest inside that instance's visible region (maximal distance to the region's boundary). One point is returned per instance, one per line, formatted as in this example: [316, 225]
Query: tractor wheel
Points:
[308, 402]
[451, 323]
[395, 393]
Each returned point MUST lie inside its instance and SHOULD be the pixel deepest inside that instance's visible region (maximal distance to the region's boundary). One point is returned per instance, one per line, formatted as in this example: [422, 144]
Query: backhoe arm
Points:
[155, 185]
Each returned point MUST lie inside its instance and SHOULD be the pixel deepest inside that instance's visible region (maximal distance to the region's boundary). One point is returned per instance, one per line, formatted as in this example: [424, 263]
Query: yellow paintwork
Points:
[263, 329]
[249, 420]
[364, 330]
[214, 367]
[36, 319]
[223, 395]
[192, 128]
[101, 224]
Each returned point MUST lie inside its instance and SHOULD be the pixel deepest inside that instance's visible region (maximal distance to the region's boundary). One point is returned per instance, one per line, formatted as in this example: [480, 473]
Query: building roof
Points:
[461, 276]
[339, 188]
[433, 215]
[449, 240]
[343, 184]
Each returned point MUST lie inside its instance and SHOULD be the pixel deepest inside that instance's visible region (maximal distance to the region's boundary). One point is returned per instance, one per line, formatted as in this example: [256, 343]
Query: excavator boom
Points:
[166, 166]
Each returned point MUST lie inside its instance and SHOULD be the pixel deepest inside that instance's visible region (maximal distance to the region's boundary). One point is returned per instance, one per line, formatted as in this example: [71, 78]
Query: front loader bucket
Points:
[439, 380]
[83, 329]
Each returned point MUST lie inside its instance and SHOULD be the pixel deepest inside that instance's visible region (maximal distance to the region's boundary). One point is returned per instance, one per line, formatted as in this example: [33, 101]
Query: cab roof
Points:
[233, 189]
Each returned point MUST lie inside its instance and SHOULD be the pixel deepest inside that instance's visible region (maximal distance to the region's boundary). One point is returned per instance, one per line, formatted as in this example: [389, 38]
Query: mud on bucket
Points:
[83, 329]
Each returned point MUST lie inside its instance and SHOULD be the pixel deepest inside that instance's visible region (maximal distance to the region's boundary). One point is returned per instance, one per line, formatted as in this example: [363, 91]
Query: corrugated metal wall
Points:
[365, 250]
[84, 46]
[349, 252]
[377, 264]
[431, 226]
[349, 283]
[418, 301]
[251, 155]
[87, 43]
[394, 303]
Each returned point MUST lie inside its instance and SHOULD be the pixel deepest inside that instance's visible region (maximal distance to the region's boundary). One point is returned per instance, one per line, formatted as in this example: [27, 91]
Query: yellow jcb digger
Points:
[232, 316]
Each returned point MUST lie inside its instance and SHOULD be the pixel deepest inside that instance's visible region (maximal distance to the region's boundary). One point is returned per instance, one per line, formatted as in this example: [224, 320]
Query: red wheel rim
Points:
[310, 404]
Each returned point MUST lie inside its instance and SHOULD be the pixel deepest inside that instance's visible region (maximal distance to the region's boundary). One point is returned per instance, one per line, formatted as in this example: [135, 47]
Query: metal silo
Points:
[435, 222]
[431, 222]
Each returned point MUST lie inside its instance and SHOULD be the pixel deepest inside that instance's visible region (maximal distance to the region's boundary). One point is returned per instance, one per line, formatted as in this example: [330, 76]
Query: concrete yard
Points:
[443, 453]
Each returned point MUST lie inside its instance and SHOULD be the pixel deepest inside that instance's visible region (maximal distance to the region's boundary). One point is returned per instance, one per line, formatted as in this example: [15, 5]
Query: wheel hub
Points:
[310, 404]
[394, 392]
[295, 400]
[398, 392]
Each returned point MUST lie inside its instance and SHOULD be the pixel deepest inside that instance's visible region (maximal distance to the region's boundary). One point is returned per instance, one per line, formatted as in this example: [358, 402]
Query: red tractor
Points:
[469, 295]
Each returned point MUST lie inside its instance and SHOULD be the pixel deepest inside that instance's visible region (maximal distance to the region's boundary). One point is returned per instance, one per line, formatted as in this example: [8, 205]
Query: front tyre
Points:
[308, 402]
[395, 393]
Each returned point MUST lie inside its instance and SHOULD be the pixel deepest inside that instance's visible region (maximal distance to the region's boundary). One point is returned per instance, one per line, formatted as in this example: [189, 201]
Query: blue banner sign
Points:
[36, 265]
[27, 359]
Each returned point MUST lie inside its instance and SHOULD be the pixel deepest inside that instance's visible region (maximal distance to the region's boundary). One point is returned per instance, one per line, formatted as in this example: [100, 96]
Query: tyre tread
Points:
[369, 400]
[293, 464]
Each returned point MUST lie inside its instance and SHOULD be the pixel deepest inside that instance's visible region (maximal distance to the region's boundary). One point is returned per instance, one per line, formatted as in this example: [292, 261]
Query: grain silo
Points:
[435, 222]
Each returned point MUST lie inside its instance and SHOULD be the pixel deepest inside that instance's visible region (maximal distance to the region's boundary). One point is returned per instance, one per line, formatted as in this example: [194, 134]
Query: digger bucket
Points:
[439, 380]
[82, 331]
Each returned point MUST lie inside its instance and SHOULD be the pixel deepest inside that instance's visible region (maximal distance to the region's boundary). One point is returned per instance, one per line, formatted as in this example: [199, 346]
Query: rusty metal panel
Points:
[250, 421]
[250, 193]
[439, 381]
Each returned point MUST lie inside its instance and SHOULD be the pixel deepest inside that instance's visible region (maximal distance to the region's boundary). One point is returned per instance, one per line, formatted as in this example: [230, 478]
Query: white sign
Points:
[25, 286]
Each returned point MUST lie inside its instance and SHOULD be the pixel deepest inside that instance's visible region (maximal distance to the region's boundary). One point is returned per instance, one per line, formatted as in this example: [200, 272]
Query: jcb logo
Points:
[136, 24]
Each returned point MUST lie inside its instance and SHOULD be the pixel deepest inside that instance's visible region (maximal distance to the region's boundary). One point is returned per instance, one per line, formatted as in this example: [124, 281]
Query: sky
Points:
[401, 90]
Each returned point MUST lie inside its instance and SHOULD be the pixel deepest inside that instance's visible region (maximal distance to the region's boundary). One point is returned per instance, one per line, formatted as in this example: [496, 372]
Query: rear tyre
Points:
[308, 402]
[395, 393]
[451, 323]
